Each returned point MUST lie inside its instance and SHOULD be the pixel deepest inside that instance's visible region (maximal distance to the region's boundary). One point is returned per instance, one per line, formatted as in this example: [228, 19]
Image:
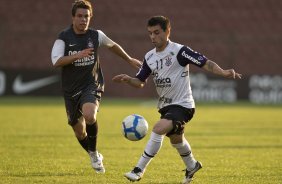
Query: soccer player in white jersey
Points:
[76, 52]
[168, 63]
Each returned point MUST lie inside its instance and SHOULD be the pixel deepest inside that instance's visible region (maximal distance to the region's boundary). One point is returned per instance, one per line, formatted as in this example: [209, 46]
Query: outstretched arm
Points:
[214, 68]
[123, 78]
[118, 50]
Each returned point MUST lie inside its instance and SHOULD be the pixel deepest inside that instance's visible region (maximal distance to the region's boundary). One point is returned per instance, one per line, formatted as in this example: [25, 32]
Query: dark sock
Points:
[92, 131]
[84, 143]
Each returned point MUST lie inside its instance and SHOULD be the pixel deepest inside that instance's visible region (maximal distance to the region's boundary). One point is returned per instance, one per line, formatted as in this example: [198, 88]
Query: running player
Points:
[76, 52]
[168, 63]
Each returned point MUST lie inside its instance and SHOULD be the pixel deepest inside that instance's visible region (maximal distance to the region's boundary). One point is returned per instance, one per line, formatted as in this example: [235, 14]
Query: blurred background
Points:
[244, 34]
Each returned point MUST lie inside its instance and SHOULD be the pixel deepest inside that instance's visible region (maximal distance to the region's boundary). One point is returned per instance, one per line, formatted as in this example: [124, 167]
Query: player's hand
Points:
[232, 74]
[135, 63]
[121, 78]
[85, 53]
[134, 82]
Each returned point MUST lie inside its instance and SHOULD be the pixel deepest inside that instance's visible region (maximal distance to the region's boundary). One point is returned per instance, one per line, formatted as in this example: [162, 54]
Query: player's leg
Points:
[82, 117]
[80, 132]
[179, 142]
[153, 146]
[89, 111]
[184, 149]
[155, 142]
[76, 120]
[89, 104]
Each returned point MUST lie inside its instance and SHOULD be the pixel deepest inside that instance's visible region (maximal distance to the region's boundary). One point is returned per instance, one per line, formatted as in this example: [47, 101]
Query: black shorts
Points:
[179, 116]
[74, 103]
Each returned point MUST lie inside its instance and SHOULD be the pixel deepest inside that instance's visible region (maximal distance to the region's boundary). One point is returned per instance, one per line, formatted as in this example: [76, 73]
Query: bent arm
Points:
[215, 69]
[66, 60]
[58, 58]
[134, 82]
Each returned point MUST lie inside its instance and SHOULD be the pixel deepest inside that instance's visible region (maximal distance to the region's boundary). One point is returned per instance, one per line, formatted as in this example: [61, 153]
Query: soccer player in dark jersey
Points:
[168, 63]
[76, 52]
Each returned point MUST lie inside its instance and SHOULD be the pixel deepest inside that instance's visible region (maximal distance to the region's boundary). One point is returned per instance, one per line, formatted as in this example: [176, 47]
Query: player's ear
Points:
[168, 32]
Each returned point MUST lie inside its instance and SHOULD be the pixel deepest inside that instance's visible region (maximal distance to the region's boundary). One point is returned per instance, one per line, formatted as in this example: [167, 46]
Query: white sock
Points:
[153, 146]
[185, 152]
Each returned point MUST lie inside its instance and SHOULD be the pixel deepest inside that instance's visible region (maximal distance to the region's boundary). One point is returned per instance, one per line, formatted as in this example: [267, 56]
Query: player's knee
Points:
[162, 127]
[158, 130]
[89, 118]
[89, 112]
[177, 139]
[80, 134]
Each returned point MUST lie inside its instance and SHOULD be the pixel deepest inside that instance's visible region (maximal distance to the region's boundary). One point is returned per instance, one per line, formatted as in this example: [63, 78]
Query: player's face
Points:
[81, 20]
[158, 36]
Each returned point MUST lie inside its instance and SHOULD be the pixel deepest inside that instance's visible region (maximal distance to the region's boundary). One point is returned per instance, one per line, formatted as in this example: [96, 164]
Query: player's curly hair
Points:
[163, 21]
[81, 4]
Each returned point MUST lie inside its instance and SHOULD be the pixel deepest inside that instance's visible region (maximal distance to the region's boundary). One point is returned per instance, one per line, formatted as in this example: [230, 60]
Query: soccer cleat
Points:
[97, 161]
[189, 174]
[134, 175]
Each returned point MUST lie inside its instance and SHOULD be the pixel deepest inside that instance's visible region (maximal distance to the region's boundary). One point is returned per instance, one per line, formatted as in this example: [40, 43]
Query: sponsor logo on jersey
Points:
[200, 58]
[165, 100]
[83, 61]
[163, 82]
[185, 74]
[190, 58]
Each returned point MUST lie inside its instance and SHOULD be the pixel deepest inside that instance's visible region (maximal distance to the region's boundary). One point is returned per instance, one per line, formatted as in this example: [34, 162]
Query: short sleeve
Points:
[57, 50]
[188, 56]
[104, 40]
[144, 72]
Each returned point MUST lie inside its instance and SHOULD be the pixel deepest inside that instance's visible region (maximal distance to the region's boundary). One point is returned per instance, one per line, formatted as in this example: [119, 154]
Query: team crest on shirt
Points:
[90, 43]
[168, 61]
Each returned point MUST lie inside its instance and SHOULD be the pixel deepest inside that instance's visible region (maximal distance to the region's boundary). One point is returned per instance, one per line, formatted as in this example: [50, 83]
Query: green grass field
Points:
[237, 143]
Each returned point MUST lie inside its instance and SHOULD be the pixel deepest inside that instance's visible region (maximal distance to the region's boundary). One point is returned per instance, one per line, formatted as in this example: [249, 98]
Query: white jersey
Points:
[170, 70]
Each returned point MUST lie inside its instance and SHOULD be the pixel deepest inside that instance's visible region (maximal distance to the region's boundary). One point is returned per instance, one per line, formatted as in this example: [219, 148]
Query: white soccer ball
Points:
[134, 127]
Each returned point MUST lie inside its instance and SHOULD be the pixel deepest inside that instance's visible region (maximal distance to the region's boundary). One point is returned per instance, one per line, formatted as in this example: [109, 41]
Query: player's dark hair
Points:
[81, 4]
[159, 20]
